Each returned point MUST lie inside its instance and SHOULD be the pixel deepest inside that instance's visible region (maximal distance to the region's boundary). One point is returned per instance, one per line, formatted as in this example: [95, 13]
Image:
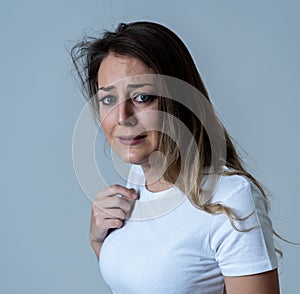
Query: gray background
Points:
[248, 54]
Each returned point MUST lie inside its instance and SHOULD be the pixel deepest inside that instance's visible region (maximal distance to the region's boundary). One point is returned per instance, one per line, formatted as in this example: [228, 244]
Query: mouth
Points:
[131, 140]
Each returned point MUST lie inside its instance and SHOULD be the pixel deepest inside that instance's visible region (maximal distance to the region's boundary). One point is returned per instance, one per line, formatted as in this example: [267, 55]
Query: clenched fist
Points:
[109, 212]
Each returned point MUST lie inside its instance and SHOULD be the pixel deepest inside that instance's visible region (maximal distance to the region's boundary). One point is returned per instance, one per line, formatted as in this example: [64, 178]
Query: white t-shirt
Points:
[184, 249]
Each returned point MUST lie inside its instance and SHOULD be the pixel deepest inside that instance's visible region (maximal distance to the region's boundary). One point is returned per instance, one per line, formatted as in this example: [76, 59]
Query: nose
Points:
[126, 113]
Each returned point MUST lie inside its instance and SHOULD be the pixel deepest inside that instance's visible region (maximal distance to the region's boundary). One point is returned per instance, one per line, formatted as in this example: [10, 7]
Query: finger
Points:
[113, 223]
[103, 206]
[115, 213]
[118, 203]
[121, 191]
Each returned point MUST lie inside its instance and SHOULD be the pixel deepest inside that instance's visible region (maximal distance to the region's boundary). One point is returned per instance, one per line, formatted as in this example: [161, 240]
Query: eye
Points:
[143, 98]
[108, 100]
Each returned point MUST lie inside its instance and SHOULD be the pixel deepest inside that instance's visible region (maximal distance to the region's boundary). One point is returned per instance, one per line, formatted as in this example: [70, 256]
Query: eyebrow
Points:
[132, 86]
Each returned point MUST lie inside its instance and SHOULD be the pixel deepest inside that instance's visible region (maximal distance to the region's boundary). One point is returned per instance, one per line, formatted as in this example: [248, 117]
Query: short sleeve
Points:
[240, 252]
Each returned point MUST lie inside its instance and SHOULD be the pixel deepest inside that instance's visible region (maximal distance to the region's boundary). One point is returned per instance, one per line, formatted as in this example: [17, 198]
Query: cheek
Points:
[106, 126]
[107, 120]
[149, 120]
[150, 123]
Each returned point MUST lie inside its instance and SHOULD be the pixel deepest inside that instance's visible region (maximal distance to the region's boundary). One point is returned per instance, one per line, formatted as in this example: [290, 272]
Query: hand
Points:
[109, 211]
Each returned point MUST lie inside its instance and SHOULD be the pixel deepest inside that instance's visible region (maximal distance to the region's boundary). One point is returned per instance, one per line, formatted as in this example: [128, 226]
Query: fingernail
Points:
[133, 193]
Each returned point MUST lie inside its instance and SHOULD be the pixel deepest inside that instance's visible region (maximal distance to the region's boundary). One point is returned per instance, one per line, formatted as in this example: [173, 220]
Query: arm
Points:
[96, 247]
[247, 259]
[263, 283]
[108, 213]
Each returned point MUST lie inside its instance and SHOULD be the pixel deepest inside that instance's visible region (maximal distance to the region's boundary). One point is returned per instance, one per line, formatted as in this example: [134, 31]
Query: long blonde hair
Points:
[198, 147]
[163, 51]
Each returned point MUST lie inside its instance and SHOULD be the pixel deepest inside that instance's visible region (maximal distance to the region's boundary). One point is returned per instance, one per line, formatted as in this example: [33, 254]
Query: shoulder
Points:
[227, 186]
[247, 247]
[240, 194]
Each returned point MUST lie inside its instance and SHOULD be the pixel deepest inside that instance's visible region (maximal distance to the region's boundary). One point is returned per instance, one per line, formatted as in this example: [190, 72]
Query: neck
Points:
[154, 179]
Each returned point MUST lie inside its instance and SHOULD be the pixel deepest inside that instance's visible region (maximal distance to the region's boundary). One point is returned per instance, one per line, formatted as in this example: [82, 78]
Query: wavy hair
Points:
[163, 51]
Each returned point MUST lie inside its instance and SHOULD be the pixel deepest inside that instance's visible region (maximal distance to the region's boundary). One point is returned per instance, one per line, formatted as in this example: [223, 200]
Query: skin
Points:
[263, 283]
[129, 121]
[123, 118]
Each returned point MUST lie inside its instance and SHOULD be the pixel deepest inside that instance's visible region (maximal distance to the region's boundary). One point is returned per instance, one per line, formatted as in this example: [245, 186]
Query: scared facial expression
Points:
[128, 107]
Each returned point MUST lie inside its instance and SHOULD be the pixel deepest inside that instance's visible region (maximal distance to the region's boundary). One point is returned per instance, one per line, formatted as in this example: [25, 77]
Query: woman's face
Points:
[128, 107]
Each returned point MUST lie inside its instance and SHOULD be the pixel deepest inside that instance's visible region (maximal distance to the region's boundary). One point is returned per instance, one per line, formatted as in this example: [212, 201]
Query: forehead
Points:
[115, 68]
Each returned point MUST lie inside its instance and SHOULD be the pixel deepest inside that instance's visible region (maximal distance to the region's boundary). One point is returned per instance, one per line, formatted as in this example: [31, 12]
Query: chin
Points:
[133, 158]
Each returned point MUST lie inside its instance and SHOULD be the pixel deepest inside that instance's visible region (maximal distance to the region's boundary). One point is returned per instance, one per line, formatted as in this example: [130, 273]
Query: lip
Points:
[131, 140]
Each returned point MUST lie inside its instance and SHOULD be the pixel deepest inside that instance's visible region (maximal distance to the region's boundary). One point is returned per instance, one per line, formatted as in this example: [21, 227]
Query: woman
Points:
[209, 231]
